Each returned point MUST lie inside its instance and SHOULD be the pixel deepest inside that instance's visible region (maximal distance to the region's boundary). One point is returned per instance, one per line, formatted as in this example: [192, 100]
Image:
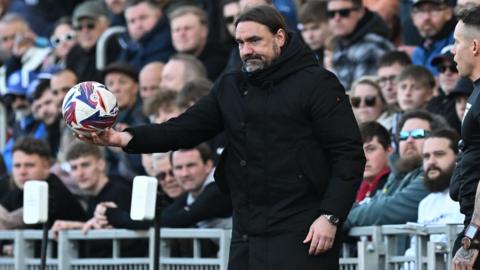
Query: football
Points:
[89, 107]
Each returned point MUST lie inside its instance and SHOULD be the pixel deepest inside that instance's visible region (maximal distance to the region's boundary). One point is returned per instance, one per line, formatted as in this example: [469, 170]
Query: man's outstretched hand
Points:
[108, 137]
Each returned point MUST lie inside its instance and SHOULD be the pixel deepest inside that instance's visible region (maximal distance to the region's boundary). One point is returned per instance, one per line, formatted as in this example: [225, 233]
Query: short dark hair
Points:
[40, 89]
[192, 91]
[265, 15]
[313, 11]
[435, 121]
[32, 146]
[419, 74]
[203, 149]
[470, 15]
[81, 149]
[372, 129]
[394, 57]
[449, 134]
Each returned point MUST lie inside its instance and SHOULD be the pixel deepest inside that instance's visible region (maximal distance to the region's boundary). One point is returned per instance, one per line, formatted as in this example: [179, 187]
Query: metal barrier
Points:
[379, 247]
[67, 256]
[101, 50]
[383, 247]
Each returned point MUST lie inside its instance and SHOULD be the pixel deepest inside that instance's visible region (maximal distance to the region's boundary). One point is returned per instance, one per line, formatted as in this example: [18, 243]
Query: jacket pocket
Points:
[314, 166]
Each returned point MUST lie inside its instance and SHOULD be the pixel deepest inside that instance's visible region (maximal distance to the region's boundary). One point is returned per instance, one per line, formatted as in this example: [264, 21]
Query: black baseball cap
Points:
[120, 67]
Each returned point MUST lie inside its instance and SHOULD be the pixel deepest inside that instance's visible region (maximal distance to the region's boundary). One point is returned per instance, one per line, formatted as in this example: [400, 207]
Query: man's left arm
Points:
[336, 129]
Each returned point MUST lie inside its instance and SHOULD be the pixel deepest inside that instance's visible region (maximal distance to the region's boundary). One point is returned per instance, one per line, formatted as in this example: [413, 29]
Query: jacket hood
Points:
[295, 55]
[371, 22]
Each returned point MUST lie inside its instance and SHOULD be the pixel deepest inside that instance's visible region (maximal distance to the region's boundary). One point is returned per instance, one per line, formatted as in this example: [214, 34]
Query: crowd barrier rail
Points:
[378, 247]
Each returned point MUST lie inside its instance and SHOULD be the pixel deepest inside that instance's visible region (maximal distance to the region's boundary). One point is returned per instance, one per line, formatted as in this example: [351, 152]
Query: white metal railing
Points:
[377, 248]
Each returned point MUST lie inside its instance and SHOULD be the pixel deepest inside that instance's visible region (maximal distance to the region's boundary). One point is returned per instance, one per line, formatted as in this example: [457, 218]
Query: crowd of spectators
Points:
[393, 57]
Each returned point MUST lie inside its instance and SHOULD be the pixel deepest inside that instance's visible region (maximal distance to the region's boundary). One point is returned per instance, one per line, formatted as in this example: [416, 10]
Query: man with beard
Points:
[435, 22]
[293, 146]
[398, 202]
[439, 153]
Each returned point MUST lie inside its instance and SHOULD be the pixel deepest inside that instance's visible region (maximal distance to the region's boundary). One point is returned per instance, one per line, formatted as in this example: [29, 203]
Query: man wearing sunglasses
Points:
[398, 202]
[90, 20]
[435, 22]
[444, 103]
[362, 39]
[466, 53]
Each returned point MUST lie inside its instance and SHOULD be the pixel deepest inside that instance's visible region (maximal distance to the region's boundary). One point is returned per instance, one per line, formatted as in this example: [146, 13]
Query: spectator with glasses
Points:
[62, 41]
[435, 21]
[388, 67]
[444, 102]
[398, 202]
[90, 20]
[361, 39]
[368, 103]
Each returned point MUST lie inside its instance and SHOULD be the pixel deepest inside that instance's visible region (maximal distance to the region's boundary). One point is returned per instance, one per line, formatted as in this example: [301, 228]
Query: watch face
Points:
[471, 231]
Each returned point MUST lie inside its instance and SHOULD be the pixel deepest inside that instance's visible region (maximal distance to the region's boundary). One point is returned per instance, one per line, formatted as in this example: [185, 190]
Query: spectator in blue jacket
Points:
[149, 34]
[435, 22]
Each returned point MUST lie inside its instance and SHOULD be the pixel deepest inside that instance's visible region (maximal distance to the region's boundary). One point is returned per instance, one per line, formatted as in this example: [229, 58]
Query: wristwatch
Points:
[332, 219]
[471, 233]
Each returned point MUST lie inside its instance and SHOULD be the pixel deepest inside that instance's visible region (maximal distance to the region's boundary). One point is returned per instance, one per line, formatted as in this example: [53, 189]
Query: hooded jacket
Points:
[293, 147]
[357, 54]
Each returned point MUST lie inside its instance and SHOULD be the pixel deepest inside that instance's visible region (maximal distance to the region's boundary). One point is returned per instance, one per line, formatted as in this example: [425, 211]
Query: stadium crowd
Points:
[393, 58]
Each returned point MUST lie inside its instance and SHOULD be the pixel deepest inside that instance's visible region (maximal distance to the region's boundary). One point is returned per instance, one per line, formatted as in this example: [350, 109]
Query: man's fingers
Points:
[313, 244]
[309, 237]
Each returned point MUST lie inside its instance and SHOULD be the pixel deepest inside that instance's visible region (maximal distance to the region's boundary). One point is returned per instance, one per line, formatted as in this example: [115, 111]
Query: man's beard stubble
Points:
[408, 163]
[441, 182]
[256, 62]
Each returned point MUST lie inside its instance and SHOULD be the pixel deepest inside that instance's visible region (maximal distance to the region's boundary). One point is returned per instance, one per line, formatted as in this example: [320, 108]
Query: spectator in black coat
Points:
[31, 161]
[190, 36]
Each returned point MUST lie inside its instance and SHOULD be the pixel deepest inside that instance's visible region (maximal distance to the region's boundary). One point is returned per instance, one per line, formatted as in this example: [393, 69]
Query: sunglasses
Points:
[452, 68]
[89, 26]
[57, 40]
[344, 12]
[418, 133]
[161, 176]
[229, 19]
[369, 101]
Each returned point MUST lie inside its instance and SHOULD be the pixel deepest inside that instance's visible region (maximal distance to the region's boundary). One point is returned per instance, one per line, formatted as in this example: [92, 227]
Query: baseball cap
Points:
[123, 68]
[18, 82]
[438, 2]
[445, 54]
[89, 9]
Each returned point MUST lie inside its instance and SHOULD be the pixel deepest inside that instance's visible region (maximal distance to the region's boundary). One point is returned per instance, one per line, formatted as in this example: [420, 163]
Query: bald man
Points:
[150, 78]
